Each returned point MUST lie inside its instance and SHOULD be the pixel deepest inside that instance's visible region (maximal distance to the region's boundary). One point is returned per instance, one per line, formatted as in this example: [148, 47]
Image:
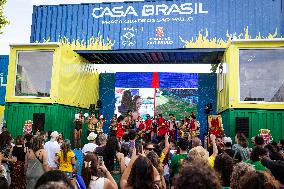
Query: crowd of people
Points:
[130, 157]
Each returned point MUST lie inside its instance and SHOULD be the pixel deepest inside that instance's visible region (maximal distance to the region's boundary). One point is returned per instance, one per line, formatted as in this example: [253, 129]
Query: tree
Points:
[3, 20]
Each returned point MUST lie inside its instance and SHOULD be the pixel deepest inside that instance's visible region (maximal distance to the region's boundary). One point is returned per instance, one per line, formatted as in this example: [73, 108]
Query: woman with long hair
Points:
[35, 162]
[137, 102]
[140, 174]
[5, 142]
[154, 158]
[109, 153]
[224, 165]
[65, 159]
[92, 168]
[126, 102]
[193, 125]
[5, 149]
[241, 148]
[18, 172]
[112, 159]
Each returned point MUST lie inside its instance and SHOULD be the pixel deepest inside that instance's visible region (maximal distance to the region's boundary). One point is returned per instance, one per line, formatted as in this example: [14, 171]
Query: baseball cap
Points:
[227, 140]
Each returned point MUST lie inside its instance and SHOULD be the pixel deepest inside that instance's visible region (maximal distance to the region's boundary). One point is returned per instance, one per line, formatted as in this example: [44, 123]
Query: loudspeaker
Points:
[38, 121]
[99, 104]
[242, 125]
[92, 107]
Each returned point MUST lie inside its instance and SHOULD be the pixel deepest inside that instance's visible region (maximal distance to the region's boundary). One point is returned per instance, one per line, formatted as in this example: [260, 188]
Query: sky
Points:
[19, 13]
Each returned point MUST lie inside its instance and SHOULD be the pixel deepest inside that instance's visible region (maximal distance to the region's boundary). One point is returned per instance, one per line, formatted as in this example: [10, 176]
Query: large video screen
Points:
[179, 102]
[142, 101]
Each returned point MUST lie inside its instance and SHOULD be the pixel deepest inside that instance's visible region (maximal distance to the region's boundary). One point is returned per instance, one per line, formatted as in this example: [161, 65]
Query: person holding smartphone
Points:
[92, 166]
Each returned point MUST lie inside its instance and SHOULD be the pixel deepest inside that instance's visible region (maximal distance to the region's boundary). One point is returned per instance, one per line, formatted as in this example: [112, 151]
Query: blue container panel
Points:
[166, 80]
[157, 24]
[133, 80]
[4, 61]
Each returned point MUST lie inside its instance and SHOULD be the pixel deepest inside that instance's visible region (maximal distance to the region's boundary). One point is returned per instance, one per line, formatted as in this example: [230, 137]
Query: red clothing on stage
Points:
[192, 125]
[148, 123]
[163, 127]
[141, 126]
[120, 130]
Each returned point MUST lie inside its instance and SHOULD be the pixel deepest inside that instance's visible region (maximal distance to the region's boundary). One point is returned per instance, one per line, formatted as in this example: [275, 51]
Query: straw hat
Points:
[54, 134]
[92, 136]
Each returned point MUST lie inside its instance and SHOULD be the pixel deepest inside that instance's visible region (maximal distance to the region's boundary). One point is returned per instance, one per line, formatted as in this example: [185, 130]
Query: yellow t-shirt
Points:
[162, 157]
[211, 161]
[66, 165]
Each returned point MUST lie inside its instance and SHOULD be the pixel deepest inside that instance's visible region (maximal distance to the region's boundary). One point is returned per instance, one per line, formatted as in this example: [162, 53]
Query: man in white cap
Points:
[52, 148]
[228, 146]
[91, 146]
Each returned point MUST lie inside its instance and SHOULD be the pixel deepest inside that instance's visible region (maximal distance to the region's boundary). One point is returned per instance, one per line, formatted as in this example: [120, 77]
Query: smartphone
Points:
[101, 160]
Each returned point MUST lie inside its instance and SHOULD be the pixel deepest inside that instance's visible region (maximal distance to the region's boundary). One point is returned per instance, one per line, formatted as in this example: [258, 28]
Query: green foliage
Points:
[214, 68]
[3, 20]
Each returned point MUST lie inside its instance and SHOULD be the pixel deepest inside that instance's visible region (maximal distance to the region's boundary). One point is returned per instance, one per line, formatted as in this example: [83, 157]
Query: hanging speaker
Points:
[92, 107]
[99, 104]
[38, 121]
[242, 125]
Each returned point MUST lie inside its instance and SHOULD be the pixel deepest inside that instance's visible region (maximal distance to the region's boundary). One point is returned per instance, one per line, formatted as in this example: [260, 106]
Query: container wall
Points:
[107, 96]
[4, 61]
[159, 24]
[74, 81]
[2, 109]
[12, 74]
[232, 86]
[223, 83]
[57, 117]
[77, 80]
[206, 94]
[258, 119]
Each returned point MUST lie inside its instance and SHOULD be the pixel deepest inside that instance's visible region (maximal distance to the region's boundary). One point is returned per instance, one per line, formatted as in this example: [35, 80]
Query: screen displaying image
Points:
[179, 102]
[140, 101]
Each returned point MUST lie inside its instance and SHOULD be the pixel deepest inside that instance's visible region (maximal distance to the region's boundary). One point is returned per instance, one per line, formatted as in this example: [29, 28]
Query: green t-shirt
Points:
[256, 165]
[176, 162]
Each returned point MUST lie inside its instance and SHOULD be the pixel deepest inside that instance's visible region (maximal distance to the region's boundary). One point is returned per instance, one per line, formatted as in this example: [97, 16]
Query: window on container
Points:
[261, 75]
[34, 69]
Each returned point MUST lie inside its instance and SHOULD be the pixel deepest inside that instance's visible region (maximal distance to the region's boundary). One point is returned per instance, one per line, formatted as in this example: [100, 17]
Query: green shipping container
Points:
[57, 118]
[258, 119]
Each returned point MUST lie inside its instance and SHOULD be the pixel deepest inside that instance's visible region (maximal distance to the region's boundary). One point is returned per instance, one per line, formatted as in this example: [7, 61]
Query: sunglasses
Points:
[150, 149]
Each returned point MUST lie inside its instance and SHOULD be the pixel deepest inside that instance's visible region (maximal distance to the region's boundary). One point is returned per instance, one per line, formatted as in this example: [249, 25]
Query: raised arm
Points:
[120, 157]
[109, 180]
[126, 173]
[44, 161]
[167, 145]
[214, 145]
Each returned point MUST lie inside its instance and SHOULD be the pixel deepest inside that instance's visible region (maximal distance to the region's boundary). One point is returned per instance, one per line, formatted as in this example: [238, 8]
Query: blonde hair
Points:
[199, 153]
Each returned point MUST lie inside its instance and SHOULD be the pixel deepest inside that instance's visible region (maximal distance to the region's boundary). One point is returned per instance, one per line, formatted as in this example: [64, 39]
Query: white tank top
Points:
[97, 183]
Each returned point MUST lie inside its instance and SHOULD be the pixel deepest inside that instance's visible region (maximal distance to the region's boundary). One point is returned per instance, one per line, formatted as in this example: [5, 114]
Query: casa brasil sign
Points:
[150, 10]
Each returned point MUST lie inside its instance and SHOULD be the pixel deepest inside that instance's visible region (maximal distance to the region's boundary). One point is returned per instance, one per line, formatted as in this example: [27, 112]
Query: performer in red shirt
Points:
[120, 129]
[141, 127]
[193, 125]
[162, 127]
[148, 124]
